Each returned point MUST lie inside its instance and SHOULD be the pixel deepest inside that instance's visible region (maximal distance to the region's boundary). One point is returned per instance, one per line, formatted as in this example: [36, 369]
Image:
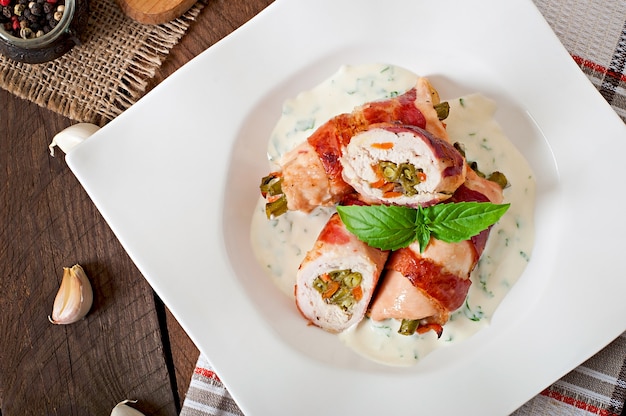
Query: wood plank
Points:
[184, 355]
[49, 222]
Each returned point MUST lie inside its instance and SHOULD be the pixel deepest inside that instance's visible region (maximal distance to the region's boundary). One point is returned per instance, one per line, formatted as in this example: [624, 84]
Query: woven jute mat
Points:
[104, 75]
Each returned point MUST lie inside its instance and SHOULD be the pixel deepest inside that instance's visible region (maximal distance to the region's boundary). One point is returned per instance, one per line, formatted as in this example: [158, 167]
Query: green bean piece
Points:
[319, 285]
[460, 147]
[474, 166]
[499, 178]
[408, 189]
[408, 326]
[389, 170]
[276, 208]
[407, 172]
[347, 303]
[404, 175]
[408, 179]
[352, 280]
[443, 110]
[271, 185]
[340, 295]
[337, 275]
[343, 298]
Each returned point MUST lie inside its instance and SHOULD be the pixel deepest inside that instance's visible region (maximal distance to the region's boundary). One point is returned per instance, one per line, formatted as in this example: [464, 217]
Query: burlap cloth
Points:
[99, 79]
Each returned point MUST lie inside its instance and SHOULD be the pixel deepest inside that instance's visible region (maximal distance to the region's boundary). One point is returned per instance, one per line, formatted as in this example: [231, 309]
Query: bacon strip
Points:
[425, 272]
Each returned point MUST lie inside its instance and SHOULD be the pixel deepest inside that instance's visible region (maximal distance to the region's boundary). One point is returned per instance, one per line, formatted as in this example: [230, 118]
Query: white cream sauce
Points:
[281, 244]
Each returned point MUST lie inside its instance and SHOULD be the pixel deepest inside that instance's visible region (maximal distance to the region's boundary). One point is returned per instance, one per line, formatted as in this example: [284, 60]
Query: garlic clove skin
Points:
[74, 298]
[72, 136]
[121, 409]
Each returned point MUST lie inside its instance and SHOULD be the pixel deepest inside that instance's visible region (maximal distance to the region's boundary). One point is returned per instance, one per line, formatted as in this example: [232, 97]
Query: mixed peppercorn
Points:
[29, 19]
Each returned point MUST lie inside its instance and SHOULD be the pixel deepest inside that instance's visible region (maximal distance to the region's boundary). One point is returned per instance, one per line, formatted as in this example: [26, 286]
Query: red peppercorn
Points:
[5, 3]
[15, 23]
[52, 1]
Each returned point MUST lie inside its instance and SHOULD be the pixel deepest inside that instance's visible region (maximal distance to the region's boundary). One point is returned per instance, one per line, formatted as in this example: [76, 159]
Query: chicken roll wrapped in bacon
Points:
[402, 165]
[336, 279]
[311, 174]
[422, 289]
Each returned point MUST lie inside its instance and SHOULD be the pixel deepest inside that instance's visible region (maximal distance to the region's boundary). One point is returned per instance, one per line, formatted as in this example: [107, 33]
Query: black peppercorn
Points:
[35, 15]
[36, 9]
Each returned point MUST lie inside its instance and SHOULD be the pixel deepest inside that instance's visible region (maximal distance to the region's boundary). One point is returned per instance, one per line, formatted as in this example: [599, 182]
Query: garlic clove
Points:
[72, 136]
[122, 409]
[74, 298]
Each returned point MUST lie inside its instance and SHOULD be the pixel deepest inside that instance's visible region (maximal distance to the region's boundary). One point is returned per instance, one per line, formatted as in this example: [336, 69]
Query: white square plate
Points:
[176, 177]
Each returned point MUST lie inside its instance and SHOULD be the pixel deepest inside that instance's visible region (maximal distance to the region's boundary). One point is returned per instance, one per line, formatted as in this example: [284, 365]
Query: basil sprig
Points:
[392, 227]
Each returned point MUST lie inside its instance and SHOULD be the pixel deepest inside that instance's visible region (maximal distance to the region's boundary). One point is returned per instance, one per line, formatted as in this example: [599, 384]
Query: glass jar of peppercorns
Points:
[36, 31]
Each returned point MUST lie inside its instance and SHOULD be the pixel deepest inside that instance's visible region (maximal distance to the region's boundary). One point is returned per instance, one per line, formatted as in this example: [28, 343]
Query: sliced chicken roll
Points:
[311, 174]
[336, 279]
[402, 165]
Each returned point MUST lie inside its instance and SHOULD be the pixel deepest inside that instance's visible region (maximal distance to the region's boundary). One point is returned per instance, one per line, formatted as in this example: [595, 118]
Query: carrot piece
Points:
[357, 292]
[378, 184]
[392, 194]
[383, 145]
[378, 171]
[421, 176]
[325, 277]
[330, 290]
[422, 329]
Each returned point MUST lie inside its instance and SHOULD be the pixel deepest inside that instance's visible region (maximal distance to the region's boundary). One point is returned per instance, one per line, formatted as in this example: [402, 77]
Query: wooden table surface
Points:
[129, 346]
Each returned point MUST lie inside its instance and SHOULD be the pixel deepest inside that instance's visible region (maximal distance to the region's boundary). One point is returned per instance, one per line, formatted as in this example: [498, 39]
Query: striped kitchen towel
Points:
[596, 387]
[207, 395]
[594, 33]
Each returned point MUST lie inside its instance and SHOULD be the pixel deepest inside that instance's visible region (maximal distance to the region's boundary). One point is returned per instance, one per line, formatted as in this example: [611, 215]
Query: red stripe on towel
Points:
[598, 68]
[579, 404]
[205, 372]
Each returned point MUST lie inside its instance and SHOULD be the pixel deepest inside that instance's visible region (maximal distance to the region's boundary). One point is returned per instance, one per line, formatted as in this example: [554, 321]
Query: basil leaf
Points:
[380, 226]
[422, 232]
[463, 220]
[392, 227]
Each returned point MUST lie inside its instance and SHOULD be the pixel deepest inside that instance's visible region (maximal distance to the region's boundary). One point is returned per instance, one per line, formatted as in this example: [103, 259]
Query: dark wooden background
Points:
[129, 346]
